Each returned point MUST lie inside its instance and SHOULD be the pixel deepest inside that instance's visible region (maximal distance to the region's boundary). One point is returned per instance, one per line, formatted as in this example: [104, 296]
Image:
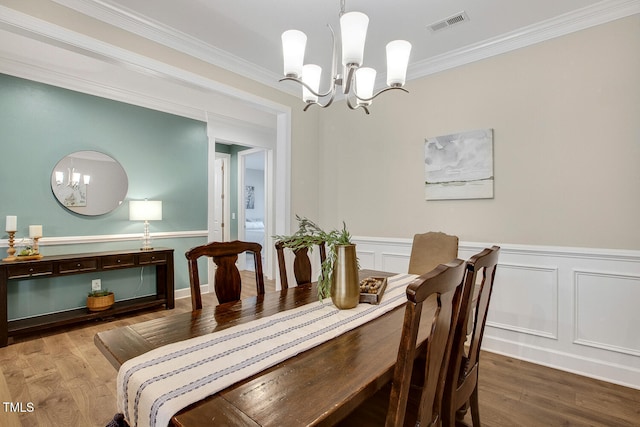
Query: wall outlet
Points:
[96, 284]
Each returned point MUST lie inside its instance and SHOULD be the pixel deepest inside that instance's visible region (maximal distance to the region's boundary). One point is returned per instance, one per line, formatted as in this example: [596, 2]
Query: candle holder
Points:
[35, 246]
[12, 250]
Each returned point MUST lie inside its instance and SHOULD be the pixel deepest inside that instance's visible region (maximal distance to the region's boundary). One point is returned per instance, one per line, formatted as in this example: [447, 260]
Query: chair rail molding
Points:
[110, 238]
[548, 304]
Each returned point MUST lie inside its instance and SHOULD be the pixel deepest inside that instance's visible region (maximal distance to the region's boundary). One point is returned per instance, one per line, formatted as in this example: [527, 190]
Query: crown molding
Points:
[47, 75]
[38, 29]
[590, 16]
[599, 13]
[128, 20]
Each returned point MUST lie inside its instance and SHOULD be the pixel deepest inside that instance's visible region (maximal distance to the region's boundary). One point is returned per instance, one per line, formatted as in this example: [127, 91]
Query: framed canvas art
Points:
[249, 197]
[459, 166]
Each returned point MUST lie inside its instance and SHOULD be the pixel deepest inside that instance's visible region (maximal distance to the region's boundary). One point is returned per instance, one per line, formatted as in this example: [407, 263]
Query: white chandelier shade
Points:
[357, 82]
[365, 80]
[311, 76]
[353, 28]
[397, 61]
[294, 43]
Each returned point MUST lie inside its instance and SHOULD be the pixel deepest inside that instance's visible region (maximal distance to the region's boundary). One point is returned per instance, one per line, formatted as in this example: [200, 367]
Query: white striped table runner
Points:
[156, 385]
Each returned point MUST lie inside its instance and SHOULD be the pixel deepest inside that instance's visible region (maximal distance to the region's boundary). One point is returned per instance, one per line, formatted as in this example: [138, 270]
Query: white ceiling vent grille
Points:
[458, 18]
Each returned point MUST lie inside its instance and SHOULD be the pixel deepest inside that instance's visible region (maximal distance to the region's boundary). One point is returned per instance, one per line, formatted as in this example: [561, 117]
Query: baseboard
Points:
[592, 368]
[186, 292]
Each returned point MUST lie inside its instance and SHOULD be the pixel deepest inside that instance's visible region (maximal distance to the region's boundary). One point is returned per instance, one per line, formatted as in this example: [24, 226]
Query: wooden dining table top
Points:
[316, 387]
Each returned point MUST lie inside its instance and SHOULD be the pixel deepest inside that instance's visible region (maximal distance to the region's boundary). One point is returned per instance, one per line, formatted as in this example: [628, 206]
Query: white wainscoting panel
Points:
[607, 314]
[574, 309]
[525, 300]
[394, 261]
[367, 259]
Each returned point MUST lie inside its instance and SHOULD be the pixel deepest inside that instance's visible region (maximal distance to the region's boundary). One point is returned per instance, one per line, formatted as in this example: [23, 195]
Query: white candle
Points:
[12, 223]
[35, 231]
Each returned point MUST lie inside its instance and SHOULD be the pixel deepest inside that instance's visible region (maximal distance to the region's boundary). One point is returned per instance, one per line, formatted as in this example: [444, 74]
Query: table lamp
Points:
[145, 210]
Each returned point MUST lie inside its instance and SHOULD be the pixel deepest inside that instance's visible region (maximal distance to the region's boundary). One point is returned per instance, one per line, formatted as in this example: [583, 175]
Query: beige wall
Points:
[566, 120]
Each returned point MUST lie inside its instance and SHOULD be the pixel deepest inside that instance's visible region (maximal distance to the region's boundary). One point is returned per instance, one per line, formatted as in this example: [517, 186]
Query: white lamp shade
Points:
[353, 28]
[294, 43]
[397, 61]
[87, 179]
[145, 210]
[311, 76]
[59, 177]
[365, 81]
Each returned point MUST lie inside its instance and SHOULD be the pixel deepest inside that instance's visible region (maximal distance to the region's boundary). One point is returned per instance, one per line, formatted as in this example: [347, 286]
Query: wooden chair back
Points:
[431, 249]
[228, 284]
[445, 284]
[462, 379]
[301, 264]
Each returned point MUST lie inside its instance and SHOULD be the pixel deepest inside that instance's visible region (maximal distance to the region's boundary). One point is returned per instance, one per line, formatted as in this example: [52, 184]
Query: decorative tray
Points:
[372, 289]
[28, 257]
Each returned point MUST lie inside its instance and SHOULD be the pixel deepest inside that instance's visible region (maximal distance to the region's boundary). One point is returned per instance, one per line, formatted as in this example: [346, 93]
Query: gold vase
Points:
[345, 285]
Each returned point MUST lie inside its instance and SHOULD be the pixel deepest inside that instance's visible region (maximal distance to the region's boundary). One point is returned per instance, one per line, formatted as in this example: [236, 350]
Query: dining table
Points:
[319, 386]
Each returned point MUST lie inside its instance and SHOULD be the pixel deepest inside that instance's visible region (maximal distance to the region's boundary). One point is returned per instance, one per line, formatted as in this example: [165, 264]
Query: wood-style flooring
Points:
[69, 383]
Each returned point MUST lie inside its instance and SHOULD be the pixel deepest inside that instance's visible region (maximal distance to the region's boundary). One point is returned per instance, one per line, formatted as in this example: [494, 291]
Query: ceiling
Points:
[244, 35]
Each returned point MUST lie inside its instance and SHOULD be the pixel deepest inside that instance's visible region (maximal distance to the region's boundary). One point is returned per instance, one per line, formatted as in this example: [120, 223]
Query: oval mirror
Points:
[89, 183]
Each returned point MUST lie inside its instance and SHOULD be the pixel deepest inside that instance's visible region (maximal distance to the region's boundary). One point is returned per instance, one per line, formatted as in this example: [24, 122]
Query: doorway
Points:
[239, 140]
[252, 205]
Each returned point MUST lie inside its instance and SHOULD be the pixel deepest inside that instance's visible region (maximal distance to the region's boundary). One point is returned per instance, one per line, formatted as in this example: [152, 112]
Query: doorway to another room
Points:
[242, 200]
[252, 211]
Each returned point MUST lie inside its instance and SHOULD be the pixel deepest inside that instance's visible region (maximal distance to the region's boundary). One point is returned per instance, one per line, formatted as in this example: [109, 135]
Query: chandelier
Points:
[357, 81]
[73, 178]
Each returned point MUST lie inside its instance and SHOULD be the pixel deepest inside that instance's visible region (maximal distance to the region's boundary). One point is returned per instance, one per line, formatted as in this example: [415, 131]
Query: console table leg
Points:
[4, 321]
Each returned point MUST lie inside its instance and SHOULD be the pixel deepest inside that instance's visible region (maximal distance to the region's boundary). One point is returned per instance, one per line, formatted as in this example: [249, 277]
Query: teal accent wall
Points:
[164, 156]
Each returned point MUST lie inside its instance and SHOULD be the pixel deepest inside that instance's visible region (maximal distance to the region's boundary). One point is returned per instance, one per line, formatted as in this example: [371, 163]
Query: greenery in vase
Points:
[100, 293]
[309, 234]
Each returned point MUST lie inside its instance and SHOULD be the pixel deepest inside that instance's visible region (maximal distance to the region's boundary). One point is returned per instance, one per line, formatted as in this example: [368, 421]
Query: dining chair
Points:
[405, 403]
[431, 249]
[301, 264]
[227, 281]
[461, 390]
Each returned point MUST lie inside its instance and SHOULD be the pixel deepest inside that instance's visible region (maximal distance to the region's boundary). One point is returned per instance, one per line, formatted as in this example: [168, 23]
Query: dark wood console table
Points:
[62, 265]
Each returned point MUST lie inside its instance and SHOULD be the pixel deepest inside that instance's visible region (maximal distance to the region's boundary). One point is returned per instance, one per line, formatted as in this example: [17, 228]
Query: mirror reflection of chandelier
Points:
[73, 178]
[357, 81]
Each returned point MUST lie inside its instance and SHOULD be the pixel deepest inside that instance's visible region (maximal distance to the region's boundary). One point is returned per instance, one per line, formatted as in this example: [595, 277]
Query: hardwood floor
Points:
[69, 383]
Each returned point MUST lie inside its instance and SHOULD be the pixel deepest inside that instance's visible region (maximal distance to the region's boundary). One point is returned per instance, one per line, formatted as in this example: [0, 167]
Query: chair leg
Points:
[475, 407]
[461, 412]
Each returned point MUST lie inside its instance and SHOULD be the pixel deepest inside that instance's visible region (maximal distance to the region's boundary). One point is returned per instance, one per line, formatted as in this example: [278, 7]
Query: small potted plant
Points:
[339, 271]
[100, 300]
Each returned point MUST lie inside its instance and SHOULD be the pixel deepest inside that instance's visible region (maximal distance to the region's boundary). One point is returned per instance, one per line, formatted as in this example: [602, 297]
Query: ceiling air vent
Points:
[458, 18]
